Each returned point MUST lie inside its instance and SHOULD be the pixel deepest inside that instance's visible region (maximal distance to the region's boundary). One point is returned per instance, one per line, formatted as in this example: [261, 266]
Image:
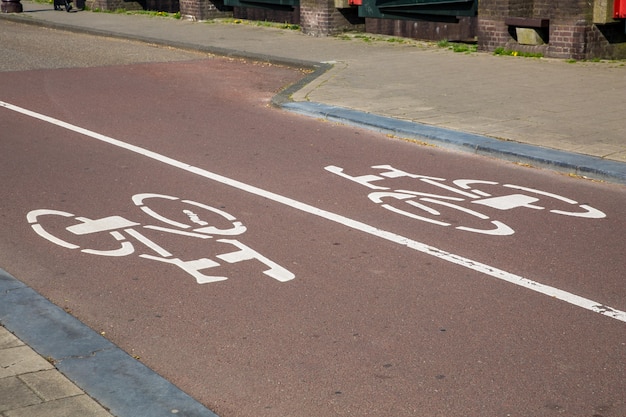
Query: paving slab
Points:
[30, 386]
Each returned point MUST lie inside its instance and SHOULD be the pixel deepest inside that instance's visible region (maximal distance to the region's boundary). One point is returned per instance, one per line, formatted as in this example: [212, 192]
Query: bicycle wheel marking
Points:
[392, 237]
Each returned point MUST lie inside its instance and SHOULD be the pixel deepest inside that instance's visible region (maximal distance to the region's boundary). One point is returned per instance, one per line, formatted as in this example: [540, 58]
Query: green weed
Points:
[508, 52]
[458, 46]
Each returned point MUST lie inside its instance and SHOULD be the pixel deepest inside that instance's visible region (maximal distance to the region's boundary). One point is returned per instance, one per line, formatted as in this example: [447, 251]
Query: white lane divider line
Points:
[345, 221]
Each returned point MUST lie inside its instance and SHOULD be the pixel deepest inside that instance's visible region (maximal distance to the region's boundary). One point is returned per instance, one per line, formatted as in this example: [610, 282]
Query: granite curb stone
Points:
[123, 385]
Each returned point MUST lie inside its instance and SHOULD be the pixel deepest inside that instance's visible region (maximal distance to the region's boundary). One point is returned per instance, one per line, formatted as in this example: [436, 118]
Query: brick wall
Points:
[521, 8]
[607, 41]
[192, 9]
[289, 15]
[492, 33]
[169, 6]
[464, 30]
[322, 18]
[116, 4]
[568, 40]
[571, 33]
[204, 9]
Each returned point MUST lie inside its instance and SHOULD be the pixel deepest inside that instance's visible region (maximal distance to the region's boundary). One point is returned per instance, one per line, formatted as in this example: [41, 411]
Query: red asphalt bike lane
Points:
[367, 326]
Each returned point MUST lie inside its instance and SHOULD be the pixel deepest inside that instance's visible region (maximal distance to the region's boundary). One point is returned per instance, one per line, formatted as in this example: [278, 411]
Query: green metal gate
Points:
[417, 9]
[263, 4]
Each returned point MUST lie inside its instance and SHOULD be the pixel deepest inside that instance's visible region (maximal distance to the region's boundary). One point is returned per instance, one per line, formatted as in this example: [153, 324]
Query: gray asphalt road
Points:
[26, 47]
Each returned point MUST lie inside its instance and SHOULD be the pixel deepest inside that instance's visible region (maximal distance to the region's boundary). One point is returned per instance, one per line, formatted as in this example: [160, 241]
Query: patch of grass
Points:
[151, 13]
[464, 47]
[508, 52]
[364, 38]
[461, 47]
[290, 26]
[263, 23]
[375, 38]
[396, 40]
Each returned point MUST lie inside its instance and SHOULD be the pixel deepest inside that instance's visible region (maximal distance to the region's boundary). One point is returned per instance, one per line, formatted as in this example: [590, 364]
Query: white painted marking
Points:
[354, 224]
[447, 187]
[193, 267]
[413, 216]
[440, 197]
[177, 232]
[41, 232]
[547, 194]
[246, 253]
[377, 197]
[454, 206]
[465, 184]
[500, 230]
[126, 249]
[32, 219]
[590, 212]
[508, 202]
[195, 218]
[99, 225]
[423, 207]
[155, 247]
[138, 200]
[363, 179]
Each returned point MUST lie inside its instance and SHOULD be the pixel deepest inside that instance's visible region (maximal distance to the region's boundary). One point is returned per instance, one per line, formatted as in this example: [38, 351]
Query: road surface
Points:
[269, 264]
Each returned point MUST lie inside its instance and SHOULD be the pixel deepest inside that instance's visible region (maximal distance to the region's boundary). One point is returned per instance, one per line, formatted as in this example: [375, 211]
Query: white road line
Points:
[392, 237]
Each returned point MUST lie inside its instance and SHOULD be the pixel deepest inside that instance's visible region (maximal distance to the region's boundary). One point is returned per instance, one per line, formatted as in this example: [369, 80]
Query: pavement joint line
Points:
[562, 161]
[125, 386]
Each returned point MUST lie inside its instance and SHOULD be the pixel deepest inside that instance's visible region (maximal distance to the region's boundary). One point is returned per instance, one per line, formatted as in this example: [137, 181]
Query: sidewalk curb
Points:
[568, 162]
[123, 385]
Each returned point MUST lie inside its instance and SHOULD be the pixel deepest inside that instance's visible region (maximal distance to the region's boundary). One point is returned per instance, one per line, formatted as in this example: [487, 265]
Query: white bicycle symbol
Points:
[428, 206]
[191, 220]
